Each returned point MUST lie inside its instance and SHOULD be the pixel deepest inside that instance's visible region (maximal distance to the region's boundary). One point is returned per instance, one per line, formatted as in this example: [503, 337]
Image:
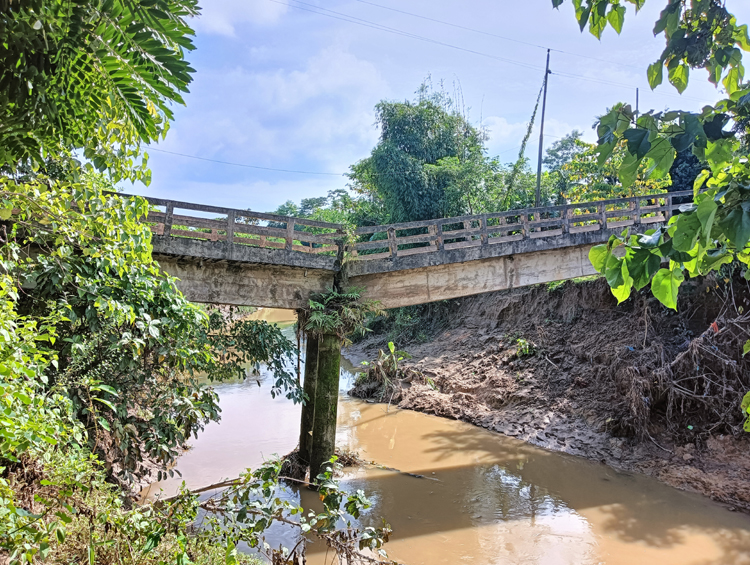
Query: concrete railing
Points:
[183, 220]
[399, 240]
[242, 227]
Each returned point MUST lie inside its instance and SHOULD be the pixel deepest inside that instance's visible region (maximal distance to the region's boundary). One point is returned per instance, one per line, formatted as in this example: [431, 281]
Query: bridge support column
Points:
[308, 409]
[326, 403]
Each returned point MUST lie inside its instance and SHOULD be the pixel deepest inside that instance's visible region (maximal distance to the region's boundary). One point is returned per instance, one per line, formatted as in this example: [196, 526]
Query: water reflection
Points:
[486, 498]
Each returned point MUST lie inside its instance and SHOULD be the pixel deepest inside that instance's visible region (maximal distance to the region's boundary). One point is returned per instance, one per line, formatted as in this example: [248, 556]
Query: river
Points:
[487, 498]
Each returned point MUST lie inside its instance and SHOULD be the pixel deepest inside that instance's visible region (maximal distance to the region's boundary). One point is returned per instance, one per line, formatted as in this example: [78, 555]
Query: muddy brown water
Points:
[486, 498]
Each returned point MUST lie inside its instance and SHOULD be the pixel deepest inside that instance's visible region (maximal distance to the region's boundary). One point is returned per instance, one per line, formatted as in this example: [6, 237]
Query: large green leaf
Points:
[661, 157]
[706, 213]
[687, 230]
[598, 255]
[638, 142]
[733, 80]
[666, 284]
[679, 75]
[655, 74]
[719, 153]
[616, 18]
[628, 171]
[614, 272]
[736, 225]
[642, 266]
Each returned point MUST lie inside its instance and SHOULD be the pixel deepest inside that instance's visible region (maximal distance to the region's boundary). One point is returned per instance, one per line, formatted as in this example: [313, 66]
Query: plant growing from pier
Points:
[340, 313]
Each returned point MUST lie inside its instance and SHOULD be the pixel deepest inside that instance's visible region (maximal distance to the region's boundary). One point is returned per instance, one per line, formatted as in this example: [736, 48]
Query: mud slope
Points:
[635, 386]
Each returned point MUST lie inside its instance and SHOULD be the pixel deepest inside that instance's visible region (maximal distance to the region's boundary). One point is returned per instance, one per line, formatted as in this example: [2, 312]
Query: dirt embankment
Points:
[635, 386]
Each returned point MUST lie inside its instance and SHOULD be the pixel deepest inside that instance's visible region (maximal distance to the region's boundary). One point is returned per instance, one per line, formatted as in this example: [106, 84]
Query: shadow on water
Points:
[488, 482]
[486, 498]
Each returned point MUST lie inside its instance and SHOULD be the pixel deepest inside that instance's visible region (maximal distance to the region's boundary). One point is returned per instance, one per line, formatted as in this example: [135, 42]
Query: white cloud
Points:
[222, 17]
[502, 132]
[315, 116]
[321, 113]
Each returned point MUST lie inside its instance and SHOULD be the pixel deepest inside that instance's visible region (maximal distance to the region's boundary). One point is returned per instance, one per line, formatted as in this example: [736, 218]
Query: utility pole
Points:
[538, 198]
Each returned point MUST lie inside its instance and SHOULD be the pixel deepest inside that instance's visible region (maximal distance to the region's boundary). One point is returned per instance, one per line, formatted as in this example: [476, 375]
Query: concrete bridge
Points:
[239, 257]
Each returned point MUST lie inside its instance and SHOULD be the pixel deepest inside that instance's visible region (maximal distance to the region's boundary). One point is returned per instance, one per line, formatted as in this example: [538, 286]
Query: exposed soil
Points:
[635, 386]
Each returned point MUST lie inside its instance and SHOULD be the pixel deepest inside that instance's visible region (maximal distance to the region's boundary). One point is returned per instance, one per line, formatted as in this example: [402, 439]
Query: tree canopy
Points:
[715, 229]
[416, 137]
[93, 76]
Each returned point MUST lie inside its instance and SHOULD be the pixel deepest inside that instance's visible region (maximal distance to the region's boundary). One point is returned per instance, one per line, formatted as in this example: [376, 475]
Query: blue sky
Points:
[279, 85]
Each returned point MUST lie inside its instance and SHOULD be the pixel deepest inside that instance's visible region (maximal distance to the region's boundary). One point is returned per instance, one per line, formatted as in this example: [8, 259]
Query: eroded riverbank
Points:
[588, 384]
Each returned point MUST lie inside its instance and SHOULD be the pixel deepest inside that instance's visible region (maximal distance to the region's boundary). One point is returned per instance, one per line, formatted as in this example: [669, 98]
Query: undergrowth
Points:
[413, 324]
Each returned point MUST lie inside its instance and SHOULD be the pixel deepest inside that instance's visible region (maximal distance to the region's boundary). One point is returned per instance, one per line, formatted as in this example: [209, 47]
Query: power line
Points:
[490, 34]
[625, 86]
[373, 25]
[359, 21]
[244, 165]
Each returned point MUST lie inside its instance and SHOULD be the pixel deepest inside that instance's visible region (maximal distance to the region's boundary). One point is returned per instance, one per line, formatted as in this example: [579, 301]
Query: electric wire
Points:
[359, 21]
[243, 164]
[490, 34]
[373, 25]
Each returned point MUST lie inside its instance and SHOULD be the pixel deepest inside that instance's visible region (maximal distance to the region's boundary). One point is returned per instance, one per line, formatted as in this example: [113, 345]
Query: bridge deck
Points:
[232, 256]
[217, 233]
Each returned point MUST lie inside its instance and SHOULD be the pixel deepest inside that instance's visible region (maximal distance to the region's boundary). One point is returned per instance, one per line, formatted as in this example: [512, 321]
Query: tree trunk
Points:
[326, 403]
[308, 409]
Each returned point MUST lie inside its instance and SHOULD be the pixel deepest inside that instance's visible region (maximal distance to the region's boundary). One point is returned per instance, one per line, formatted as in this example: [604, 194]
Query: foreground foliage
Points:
[102, 360]
[100, 363]
[715, 229]
[91, 75]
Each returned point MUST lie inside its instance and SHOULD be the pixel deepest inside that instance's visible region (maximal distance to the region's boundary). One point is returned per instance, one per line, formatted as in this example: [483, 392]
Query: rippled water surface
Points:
[486, 498]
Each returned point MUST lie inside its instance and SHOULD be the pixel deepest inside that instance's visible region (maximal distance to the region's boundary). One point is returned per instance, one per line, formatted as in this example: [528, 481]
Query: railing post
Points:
[432, 230]
[603, 219]
[231, 218]
[439, 240]
[669, 207]
[484, 233]
[525, 221]
[341, 245]
[168, 220]
[289, 234]
[392, 245]
[566, 220]
[637, 212]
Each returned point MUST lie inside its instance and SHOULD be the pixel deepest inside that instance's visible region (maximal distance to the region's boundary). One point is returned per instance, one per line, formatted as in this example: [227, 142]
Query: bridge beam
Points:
[245, 284]
[453, 280]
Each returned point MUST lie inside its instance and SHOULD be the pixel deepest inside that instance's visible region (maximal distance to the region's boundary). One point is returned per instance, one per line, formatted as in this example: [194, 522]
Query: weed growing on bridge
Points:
[338, 313]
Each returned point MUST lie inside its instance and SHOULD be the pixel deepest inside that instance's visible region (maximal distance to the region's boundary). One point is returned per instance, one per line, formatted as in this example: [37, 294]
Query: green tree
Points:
[564, 150]
[405, 167]
[583, 179]
[715, 230]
